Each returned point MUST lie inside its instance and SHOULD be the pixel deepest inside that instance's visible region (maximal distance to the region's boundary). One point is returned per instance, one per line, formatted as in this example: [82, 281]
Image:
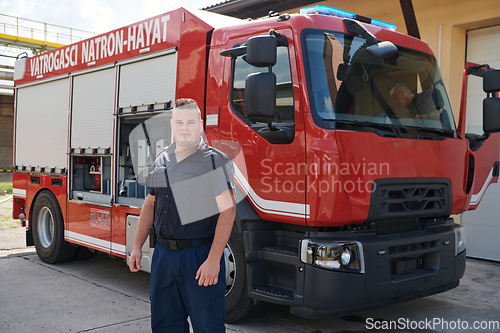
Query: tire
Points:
[48, 230]
[238, 304]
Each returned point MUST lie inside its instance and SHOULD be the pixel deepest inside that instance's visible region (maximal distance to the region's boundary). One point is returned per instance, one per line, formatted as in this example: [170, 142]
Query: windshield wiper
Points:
[387, 127]
[440, 131]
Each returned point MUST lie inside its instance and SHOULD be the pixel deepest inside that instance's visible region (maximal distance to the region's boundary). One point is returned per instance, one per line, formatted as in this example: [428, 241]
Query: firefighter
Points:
[421, 105]
[191, 204]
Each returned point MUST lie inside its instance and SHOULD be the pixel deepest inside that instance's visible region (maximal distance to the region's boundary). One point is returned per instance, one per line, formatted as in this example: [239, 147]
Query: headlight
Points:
[345, 257]
[341, 256]
[460, 240]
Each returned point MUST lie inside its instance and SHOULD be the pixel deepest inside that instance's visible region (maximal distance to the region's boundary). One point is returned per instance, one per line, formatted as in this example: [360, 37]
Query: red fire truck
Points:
[347, 160]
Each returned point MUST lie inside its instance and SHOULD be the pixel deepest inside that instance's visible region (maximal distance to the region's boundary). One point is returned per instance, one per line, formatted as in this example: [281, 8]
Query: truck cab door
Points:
[481, 128]
[270, 166]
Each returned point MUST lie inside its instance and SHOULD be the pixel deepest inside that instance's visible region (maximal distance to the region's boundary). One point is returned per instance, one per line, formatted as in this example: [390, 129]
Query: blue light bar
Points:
[383, 25]
[325, 10]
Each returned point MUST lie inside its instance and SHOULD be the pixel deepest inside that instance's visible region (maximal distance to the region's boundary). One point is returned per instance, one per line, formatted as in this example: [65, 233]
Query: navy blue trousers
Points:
[175, 293]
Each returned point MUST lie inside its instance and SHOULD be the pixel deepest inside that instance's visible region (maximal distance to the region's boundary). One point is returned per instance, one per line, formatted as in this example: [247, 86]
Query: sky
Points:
[94, 15]
[97, 16]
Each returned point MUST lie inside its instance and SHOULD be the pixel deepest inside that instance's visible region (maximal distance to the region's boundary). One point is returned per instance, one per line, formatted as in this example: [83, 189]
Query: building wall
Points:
[6, 128]
[442, 24]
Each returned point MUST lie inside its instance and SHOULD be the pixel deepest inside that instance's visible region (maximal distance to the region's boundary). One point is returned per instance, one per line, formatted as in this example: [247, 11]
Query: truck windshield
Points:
[351, 89]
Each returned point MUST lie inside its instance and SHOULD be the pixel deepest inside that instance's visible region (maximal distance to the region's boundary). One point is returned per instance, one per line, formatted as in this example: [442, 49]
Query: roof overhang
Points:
[256, 8]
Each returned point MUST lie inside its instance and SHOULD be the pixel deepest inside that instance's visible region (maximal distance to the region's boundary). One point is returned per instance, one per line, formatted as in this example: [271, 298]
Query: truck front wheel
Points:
[48, 230]
[238, 304]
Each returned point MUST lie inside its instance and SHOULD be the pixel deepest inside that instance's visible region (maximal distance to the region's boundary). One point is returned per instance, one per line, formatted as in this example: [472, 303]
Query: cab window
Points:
[285, 117]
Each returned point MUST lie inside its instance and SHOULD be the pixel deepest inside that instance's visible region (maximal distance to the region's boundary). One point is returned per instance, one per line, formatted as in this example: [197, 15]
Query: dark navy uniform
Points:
[186, 215]
[423, 104]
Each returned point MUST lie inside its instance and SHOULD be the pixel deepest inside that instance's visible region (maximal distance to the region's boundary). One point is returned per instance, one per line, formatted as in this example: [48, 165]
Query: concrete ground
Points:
[101, 295]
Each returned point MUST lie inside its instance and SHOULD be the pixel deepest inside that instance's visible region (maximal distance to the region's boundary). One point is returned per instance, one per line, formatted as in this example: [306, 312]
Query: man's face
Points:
[186, 126]
[399, 98]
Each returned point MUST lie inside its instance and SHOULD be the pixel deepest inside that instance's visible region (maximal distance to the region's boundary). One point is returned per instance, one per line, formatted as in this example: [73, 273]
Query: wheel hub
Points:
[45, 224]
[230, 268]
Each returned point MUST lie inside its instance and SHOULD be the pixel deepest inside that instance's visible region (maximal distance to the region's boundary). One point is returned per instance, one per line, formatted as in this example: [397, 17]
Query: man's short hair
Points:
[399, 87]
[187, 103]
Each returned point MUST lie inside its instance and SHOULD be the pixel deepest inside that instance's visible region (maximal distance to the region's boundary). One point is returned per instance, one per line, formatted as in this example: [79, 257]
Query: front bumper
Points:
[386, 279]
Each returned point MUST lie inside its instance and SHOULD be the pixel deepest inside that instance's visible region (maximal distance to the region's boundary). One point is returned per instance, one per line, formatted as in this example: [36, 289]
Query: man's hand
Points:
[208, 273]
[134, 261]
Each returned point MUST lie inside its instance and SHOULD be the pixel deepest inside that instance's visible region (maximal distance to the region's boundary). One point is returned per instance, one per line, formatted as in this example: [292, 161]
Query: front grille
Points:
[409, 198]
[400, 226]
[412, 198]
[413, 247]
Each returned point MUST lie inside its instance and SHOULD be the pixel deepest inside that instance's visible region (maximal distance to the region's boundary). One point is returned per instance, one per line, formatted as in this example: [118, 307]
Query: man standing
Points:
[191, 203]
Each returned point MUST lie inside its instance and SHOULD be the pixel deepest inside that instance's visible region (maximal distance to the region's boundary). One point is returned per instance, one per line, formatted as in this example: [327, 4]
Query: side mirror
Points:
[342, 71]
[491, 105]
[260, 95]
[261, 51]
[376, 48]
[491, 81]
[382, 50]
[491, 115]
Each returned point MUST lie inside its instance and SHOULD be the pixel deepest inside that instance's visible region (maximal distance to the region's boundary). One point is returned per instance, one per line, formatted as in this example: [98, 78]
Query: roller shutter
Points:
[42, 124]
[148, 82]
[92, 109]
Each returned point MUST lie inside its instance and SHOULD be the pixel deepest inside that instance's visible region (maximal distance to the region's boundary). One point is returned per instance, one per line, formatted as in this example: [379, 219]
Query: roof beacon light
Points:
[382, 24]
[325, 10]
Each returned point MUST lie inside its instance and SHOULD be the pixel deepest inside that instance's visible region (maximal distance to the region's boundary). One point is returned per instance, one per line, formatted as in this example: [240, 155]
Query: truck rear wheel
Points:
[238, 304]
[48, 230]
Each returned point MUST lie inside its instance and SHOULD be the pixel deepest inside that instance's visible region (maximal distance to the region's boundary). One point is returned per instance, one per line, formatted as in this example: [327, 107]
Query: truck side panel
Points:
[193, 52]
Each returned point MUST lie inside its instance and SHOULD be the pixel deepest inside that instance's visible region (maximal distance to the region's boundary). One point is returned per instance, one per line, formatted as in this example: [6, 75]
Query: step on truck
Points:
[349, 163]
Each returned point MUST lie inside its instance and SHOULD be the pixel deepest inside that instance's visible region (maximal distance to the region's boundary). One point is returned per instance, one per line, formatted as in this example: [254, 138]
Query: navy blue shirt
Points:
[423, 103]
[185, 192]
